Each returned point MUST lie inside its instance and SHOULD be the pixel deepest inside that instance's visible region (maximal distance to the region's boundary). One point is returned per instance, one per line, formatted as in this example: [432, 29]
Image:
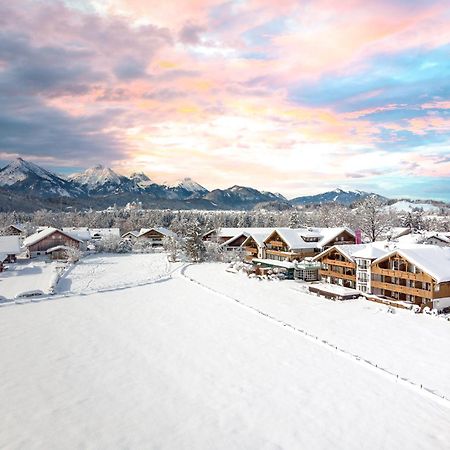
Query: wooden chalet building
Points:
[289, 244]
[10, 248]
[419, 274]
[155, 236]
[13, 230]
[38, 243]
[338, 266]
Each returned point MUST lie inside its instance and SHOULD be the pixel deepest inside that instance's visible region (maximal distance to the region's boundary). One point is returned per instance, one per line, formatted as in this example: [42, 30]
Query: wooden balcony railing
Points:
[400, 274]
[402, 289]
[336, 262]
[331, 273]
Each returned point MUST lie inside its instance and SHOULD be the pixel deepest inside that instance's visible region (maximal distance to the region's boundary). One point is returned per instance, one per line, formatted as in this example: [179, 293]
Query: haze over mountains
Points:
[22, 182]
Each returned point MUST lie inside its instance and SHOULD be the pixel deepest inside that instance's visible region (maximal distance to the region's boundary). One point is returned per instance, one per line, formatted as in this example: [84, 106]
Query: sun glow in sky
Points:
[289, 96]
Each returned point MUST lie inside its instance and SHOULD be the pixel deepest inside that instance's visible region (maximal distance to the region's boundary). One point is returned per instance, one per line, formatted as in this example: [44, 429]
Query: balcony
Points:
[337, 262]
[401, 274]
[331, 273]
[402, 289]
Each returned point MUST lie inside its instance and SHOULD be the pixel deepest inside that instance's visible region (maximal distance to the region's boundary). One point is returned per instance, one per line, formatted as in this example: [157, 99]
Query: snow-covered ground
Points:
[174, 365]
[406, 206]
[27, 276]
[415, 346]
[106, 271]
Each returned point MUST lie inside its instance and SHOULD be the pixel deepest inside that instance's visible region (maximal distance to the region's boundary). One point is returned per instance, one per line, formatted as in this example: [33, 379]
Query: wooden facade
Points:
[154, 237]
[52, 240]
[342, 238]
[398, 278]
[277, 248]
[337, 268]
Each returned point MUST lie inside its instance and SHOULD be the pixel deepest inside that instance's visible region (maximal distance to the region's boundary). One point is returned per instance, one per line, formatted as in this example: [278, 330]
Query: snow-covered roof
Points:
[274, 262]
[432, 259]
[329, 234]
[371, 251]
[232, 239]
[259, 236]
[3, 256]
[294, 240]
[58, 247]
[162, 230]
[36, 237]
[86, 233]
[10, 245]
[134, 233]
[227, 232]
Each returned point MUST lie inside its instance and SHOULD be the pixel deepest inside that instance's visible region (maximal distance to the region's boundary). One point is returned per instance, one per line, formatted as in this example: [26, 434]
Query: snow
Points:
[406, 206]
[432, 259]
[412, 345]
[96, 176]
[106, 271]
[10, 245]
[190, 185]
[36, 237]
[24, 277]
[19, 170]
[175, 365]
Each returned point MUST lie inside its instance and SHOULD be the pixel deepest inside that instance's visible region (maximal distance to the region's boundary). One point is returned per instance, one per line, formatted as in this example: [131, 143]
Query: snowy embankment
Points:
[173, 366]
[24, 277]
[109, 271]
[414, 346]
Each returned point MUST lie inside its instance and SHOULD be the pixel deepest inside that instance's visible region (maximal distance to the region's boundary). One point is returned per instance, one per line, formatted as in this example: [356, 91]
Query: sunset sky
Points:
[289, 96]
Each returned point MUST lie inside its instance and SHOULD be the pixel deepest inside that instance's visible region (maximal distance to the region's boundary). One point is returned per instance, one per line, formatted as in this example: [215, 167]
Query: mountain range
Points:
[27, 186]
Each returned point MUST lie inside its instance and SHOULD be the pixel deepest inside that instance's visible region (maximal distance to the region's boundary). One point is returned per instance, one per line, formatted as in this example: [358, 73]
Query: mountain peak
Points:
[189, 185]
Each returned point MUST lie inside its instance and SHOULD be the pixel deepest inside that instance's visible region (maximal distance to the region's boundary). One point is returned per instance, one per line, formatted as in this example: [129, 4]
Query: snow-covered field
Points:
[27, 276]
[106, 271]
[415, 346]
[174, 365]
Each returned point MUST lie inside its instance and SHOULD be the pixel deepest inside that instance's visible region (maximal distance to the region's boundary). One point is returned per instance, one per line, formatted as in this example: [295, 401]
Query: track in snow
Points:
[424, 390]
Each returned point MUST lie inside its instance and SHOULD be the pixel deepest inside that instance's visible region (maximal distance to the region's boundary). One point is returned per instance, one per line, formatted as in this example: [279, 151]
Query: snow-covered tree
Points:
[373, 218]
[194, 246]
[173, 247]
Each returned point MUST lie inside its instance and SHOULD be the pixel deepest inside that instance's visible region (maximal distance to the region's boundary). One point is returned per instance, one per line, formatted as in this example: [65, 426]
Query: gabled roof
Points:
[86, 233]
[10, 245]
[224, 232]
[37, 237]
[162, 230]
[293, 236]
[329, 234]
[259, 236]
[432, 259]
[232, 239]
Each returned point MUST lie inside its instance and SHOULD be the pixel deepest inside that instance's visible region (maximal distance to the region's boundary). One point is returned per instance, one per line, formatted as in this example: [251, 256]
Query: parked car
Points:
[29, 294]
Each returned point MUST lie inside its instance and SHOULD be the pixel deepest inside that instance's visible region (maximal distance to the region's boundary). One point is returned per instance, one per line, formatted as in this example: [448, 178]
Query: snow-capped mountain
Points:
[141, 180]
[240, 195]
[190, 185]
[29, 178]
[341, 196]
[103, 180]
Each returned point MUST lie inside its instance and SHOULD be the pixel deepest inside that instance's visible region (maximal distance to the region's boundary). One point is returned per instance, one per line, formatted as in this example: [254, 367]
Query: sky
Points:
[296, 97]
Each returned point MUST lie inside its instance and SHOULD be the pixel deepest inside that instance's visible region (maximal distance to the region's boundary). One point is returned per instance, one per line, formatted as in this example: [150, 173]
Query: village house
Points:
[130, 236]
[289, 244]
[154, 236]
[87, 234]
[38, 243]
[10, 248]
[418, 274]
[14, 230]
